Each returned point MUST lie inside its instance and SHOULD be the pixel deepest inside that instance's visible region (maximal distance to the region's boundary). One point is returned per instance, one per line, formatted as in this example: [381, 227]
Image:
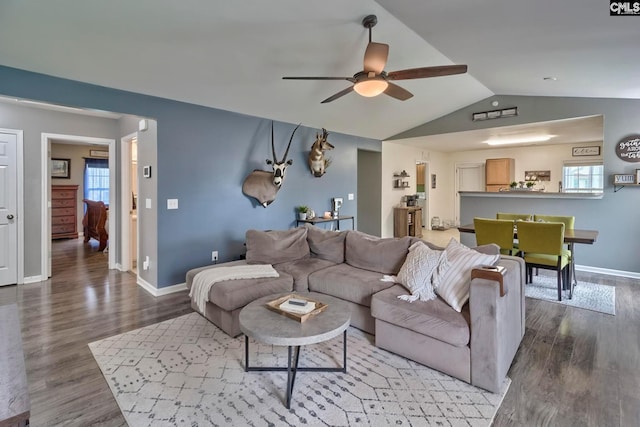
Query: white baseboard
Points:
[608, 271]
[162, 291]
[33, 279]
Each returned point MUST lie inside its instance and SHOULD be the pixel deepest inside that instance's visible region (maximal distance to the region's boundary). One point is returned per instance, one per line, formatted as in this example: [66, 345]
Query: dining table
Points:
[571, 237]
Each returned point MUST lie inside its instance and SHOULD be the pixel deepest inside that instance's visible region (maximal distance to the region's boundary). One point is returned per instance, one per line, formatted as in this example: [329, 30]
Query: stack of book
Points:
[298, 306]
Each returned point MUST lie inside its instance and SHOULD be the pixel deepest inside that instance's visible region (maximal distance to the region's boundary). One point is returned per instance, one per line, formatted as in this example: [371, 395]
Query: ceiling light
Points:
[371, 87]
[518, 140]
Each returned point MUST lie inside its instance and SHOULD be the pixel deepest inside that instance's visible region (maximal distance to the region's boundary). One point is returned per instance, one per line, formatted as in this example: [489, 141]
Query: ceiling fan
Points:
[373, 80]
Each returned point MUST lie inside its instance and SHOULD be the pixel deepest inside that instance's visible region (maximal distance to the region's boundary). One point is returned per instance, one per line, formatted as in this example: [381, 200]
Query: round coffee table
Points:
[269, 327]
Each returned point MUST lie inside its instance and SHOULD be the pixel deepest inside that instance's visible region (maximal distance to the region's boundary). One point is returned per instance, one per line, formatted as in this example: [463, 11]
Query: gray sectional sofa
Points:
[476, 345]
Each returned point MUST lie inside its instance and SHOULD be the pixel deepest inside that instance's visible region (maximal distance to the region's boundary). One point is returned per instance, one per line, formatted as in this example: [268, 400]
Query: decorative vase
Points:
[302, 216]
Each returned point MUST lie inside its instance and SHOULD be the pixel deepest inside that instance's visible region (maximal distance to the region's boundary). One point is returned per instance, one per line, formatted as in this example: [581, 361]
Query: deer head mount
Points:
[264, 185]
[318, 164]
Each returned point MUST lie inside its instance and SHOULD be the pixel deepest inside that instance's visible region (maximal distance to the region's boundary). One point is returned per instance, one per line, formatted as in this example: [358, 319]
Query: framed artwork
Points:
[61, 168]
[585, 151]
[99, 153]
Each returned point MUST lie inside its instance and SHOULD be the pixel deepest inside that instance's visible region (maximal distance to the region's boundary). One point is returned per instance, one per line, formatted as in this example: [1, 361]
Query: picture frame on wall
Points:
[61, 168]
[593, 150]
[99, 153]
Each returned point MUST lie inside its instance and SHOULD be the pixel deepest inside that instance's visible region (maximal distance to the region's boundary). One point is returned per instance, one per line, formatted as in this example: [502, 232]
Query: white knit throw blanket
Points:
[204, 280]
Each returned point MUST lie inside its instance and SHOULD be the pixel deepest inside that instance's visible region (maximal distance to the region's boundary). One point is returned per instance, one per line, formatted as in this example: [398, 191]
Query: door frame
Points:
[125, 200]
[45, 215]
[19, 200]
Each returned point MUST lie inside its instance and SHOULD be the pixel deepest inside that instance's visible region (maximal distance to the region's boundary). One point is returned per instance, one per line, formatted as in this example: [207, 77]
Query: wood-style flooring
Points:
[574, 367]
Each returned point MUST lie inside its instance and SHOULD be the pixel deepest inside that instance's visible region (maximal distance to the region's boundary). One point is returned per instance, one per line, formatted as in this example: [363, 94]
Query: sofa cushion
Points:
[274, 247]
[415, 274]
[301, 269]
[326, 244]
[372, 253]
[348, 283]
[453, 277]
[233, 294]
[433, 318]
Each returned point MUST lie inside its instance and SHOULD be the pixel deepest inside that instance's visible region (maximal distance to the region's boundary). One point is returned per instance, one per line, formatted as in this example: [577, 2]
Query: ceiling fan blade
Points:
[375, 57]
[350, 79]
[338, 95]
[395, 91]
[421, 73]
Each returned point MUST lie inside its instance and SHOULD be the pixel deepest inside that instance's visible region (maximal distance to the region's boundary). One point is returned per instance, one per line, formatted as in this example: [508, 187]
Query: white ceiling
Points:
[232, 54]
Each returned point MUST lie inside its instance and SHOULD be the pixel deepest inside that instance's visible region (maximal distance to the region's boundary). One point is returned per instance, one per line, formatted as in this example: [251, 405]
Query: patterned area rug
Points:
[590, 296]
[187, 372]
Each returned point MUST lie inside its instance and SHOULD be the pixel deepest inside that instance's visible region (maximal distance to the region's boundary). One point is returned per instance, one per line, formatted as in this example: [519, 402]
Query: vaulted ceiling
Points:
[233, 55]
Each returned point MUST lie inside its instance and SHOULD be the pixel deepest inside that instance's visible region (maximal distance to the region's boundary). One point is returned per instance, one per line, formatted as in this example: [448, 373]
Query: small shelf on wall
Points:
[623, 180]
[400, 180]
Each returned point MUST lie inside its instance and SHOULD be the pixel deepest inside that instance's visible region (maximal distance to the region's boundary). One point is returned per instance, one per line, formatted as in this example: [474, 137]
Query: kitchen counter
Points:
[531, 195]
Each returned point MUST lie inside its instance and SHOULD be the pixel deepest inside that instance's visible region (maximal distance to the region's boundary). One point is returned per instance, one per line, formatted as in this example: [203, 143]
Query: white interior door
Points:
[8, 209]
[469, 177]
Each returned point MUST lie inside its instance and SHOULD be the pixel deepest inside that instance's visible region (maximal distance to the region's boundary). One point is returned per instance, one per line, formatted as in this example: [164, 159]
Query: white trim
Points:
[19, 201]
[162, 291]
[45, 216]
[125, 201]
[608, 271]
[33, 279]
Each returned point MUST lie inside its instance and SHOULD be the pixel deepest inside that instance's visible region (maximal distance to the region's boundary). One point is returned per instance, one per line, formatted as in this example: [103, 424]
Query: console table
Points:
[315, 221]
[14, 391]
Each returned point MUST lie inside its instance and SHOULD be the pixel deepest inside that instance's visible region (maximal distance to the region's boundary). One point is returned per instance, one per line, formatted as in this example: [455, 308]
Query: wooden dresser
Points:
[64, 208]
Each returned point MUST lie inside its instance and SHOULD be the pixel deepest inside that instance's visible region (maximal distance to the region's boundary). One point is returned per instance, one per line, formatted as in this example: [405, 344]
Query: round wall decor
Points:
[628, 148]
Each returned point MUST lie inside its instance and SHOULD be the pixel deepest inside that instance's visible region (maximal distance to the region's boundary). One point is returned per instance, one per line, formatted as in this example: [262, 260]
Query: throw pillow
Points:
[372, 253]
[326, 244]
[453, 280]
[415, 274]
[274, 247]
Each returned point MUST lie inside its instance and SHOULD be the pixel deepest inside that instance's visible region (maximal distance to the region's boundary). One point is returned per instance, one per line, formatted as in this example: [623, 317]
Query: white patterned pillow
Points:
[452, 282]
[415, 274]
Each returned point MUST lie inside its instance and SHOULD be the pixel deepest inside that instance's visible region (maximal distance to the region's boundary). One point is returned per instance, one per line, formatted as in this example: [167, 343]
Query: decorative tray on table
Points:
[296, 307]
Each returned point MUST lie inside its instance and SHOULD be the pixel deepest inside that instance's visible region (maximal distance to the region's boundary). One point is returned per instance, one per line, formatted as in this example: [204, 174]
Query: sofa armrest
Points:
[497, 324]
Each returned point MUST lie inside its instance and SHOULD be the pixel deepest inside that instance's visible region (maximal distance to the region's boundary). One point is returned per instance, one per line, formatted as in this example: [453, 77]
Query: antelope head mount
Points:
[318, 163]
[279, 167]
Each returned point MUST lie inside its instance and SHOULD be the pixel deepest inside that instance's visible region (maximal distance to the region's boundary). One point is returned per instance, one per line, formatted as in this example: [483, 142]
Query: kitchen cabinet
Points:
[499, 173]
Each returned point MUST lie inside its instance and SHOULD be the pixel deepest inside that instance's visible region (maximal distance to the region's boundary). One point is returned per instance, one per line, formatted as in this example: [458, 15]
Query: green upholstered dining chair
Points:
[542, 246]
[498, 231]
[514, 216]
[569, 222]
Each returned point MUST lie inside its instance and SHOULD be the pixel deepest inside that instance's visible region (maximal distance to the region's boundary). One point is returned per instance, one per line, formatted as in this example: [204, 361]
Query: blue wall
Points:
[203, 156]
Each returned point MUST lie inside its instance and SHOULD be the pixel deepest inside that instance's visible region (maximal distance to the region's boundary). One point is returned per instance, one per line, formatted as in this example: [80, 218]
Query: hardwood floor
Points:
[574, 367]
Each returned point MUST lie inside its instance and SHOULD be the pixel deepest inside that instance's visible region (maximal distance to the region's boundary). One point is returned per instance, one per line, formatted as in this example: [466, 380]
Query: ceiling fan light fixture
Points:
[371, 87]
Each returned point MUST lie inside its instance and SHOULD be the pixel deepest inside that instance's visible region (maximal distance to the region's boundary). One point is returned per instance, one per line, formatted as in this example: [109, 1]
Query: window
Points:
[96, 180]
[586, 177]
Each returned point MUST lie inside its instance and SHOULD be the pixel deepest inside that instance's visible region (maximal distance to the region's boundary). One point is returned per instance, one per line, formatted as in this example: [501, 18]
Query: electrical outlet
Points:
[350, 196]
[214, 256]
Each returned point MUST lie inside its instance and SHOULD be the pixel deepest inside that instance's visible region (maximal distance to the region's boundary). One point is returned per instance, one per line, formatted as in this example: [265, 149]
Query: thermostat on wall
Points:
[146, 171]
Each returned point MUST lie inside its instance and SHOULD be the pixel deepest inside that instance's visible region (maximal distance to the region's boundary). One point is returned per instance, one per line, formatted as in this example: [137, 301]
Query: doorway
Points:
[46, 141]
[422, 189]
[469, 177]
[129, 203]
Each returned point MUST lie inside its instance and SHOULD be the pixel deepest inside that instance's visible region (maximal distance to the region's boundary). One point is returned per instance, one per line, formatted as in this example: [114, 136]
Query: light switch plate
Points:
[172, 203]
[350, 196]
[147, 203]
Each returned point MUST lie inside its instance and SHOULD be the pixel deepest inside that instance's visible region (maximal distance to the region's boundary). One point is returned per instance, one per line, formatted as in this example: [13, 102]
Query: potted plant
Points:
[530, 185]
[513, 185]
[302, 212]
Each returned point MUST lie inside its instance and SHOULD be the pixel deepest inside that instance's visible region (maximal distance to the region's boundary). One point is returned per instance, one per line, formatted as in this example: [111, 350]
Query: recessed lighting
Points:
[550, 78]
